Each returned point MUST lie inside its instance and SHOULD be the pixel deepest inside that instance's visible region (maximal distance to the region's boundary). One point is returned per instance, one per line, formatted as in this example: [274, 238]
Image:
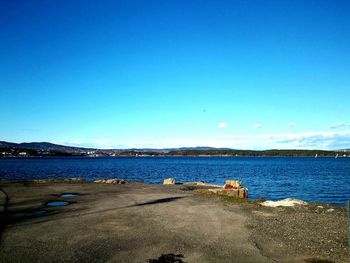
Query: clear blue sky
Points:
[241, 74]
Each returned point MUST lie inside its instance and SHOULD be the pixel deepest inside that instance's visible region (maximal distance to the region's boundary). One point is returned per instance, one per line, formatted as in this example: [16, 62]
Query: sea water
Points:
[324, 180]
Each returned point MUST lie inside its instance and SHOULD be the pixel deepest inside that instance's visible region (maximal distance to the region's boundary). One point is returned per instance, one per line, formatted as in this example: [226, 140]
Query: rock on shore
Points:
[110, 181]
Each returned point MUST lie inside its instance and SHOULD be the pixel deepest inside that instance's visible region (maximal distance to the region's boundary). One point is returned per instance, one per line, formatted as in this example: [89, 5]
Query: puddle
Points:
[68, 195]
[57, 203]
[39, 213]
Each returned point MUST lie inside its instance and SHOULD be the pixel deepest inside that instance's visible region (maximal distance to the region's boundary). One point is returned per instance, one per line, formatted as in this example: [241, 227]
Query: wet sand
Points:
[137, 222]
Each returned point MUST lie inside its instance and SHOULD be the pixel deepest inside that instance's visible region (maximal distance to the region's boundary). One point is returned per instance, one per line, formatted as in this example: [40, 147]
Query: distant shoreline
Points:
[167, 156]
[45, 149]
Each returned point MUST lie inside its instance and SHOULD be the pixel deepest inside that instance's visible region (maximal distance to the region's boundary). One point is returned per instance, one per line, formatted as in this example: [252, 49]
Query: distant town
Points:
[45, 149]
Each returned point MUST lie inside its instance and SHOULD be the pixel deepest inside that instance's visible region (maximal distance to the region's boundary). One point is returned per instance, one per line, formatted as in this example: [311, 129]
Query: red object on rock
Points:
[230, 187]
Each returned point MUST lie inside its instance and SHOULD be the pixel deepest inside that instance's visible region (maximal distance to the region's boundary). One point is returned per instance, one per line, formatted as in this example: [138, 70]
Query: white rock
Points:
[284, 202]
[98, 181]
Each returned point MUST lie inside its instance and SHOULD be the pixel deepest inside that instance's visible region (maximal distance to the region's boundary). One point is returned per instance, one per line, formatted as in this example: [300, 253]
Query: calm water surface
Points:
[311, 179]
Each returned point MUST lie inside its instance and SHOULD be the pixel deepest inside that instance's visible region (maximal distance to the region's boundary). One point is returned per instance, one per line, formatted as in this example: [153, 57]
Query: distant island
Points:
[33, 149]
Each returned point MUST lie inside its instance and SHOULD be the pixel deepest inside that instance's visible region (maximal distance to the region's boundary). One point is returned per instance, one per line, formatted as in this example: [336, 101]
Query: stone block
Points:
[241, 192]
[234, 183]
[169, 181]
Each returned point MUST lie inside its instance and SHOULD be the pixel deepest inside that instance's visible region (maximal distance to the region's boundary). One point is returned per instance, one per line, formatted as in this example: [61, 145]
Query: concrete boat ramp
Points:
[131, 222]
[122, 223]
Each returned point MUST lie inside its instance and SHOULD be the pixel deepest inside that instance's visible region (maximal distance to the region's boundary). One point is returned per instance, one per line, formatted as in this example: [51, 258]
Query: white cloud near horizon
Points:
[222, 125]
[323, 140]
[304, 140]
[340, 125]
[257, 126]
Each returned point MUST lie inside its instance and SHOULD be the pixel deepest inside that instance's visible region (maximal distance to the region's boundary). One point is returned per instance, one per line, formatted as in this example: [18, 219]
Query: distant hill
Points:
[47, 146]
[51, 149]
[44, 146]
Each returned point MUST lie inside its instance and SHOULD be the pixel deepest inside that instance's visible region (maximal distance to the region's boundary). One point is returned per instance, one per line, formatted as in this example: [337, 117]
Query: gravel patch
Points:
[303, 233]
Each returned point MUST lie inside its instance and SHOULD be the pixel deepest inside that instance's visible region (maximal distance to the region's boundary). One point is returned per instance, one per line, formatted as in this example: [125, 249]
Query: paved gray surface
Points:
[122, 223]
